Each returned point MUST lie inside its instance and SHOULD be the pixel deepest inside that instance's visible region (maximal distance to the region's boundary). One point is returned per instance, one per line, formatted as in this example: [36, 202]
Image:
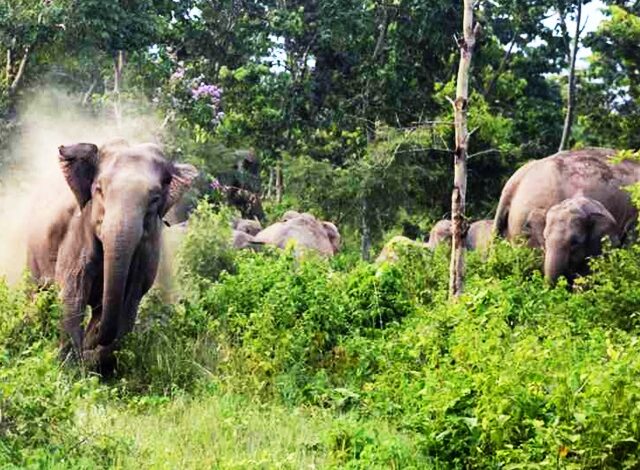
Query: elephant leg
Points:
[77, 293]
[74, 305]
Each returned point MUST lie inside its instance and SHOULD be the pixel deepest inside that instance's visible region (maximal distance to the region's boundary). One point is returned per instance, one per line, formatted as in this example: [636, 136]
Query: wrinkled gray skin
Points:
[541, 184]
[100, 240]
[252, 227]
[306, 230]
[241, 240]
[441, 232]
[479, 235]
[573, 233]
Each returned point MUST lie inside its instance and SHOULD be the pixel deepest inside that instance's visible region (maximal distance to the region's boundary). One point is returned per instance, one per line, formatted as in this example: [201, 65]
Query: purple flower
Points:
[206, 90]
[215, 185]
[178, 74]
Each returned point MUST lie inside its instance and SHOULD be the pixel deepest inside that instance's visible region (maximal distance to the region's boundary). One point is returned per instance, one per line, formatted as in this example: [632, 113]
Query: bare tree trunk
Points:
[460, 105]
[7, 68]
[279, 184]
[272, 176]
[118, 65]
[87, 94]
[571, 92]
[365, 242]
[20, 73]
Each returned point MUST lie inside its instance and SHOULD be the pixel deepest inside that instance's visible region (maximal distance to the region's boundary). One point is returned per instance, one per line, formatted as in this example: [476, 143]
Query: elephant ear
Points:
[182, 176]
[79, 164]
[534, 227]
[333, 234]
[601, 223]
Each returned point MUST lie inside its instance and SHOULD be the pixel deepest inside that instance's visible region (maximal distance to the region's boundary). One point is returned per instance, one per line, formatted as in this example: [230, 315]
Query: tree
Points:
[610, 103]
[26, 25]
[572, 54]
[460, 105]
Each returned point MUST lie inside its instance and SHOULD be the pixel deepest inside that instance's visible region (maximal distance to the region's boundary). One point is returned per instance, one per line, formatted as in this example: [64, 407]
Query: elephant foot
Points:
[101, 359]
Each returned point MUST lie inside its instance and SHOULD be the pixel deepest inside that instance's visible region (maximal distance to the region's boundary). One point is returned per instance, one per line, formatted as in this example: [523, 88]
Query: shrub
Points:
[38, 398]
[206, 250]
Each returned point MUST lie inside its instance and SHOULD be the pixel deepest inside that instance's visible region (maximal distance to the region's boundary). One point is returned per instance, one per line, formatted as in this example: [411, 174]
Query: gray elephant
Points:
[479, 235]
[541, 184]
[305, 231]
[249, 226]
[441, 232]
[241, 240]
[100, 239]
[573, 233]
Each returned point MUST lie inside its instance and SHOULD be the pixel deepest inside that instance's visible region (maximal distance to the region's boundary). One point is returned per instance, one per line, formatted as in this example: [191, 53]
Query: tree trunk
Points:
[365, 242]
[272, 176]
[279, 184]
[20, 73]
[458, 229]
[571, 92]
[7, 68]
[118, 65]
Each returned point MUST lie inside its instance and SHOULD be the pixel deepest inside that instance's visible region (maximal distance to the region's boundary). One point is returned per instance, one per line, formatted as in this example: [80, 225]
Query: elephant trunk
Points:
[555, 264]
[121, 235]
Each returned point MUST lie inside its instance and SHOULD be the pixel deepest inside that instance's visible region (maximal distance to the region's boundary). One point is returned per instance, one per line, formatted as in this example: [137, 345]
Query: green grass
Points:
[227, 431]
[215, 432]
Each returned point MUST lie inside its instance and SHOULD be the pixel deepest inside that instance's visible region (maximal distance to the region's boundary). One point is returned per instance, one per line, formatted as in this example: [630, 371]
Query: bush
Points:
[38, 398]
[206, 250]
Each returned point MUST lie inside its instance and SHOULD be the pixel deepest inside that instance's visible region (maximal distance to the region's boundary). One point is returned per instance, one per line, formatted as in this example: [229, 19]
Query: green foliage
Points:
[205, 252]
[39, 399]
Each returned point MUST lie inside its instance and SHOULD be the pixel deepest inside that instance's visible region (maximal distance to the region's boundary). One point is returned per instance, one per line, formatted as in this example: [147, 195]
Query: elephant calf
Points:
[441, 232]
[478, 236]
[573, 232]
[100, 238]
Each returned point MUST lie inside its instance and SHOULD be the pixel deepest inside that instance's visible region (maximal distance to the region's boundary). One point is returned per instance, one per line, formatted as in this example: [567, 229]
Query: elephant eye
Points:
[98, 189]
[154, 200]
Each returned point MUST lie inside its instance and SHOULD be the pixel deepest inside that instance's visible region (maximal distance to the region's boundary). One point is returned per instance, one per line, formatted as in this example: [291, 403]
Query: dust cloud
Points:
[31, 177]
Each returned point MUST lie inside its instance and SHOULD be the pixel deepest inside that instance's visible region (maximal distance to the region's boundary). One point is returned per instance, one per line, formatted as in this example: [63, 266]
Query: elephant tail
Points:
[501, 220]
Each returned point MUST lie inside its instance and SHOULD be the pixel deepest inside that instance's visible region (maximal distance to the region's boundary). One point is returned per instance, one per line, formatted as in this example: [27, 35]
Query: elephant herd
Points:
[99, 238]
[303, 231]
[565, 204]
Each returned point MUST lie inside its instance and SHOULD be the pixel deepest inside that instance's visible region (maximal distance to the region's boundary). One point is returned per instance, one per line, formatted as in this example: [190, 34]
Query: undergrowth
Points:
[380, 368]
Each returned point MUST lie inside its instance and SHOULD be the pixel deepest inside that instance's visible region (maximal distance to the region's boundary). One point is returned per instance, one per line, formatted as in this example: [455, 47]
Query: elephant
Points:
[306, 231]
[241, 240]
[479, 235]
[541, 184]
[99, 240]
[389, 252]
[441, 232]
[251, 227]
[239, 183]
[573, 233]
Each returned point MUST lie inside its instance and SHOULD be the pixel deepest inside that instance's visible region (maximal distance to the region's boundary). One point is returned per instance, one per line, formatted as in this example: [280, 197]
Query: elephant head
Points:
[333, 234]
[533, 228]
[441, 232]
[123, 192]
[573, 232]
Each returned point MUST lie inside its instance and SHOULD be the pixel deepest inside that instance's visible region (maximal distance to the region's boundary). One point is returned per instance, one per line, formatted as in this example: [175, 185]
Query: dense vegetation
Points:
[264, 360]
[339, 363]
[348, 100]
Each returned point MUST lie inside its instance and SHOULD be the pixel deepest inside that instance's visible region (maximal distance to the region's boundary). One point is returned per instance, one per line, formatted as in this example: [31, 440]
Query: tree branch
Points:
[568, 122]
[20, 72]
[503, 63]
